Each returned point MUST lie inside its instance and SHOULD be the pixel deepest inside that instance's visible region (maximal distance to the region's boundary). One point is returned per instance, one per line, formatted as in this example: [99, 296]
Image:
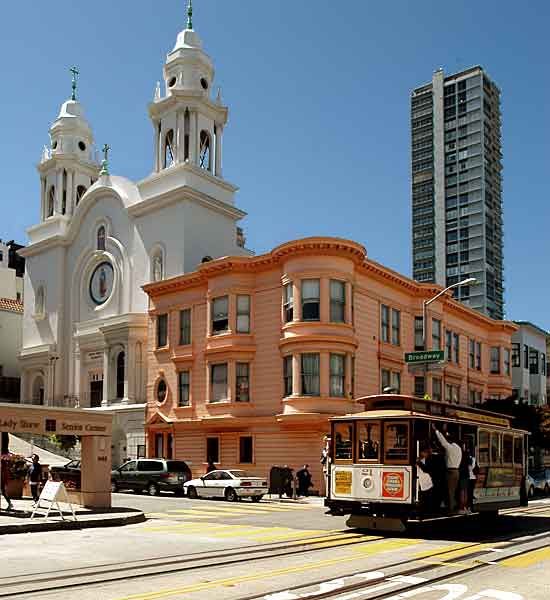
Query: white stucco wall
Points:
[10, 342]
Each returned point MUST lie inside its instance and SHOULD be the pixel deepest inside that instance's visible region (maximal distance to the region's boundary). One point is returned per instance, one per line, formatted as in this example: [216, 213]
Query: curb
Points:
[68, 525]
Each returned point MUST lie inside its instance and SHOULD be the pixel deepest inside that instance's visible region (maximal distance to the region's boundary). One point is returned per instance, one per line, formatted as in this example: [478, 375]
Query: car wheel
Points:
[192, 493]
[256, 498]
[531, 491]
[231, 495]
[152, 489]
[114, 487]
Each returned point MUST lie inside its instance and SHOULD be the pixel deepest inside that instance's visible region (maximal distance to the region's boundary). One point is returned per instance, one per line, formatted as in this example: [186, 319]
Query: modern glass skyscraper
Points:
[456, 186]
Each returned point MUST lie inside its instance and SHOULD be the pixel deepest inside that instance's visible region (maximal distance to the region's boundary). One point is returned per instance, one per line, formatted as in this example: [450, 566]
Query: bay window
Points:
[220, 315]
[243, 382]
[337, 301]
[218, 382]
[243, 314]
[311, 310]
[310, 374]
[337, 375]
[288, 302]
[287, 375]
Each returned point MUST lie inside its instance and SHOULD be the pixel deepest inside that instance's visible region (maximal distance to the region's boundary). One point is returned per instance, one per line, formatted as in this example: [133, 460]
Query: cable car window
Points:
[518, 450]
[507, 448]
[483, 447]
[396, 443]
[495, 448]
[343, 441]
[368, 440]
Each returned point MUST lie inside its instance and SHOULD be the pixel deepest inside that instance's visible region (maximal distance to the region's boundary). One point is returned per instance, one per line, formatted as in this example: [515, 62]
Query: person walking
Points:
[453, 457]
[304, 481]
[4, 479]
[35, 475]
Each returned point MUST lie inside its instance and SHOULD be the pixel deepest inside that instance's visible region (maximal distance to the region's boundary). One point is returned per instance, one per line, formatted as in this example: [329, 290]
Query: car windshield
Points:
[177, 466]
[239, 474]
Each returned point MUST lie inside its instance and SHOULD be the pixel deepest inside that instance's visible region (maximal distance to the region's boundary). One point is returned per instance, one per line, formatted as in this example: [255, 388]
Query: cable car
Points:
[373, 474]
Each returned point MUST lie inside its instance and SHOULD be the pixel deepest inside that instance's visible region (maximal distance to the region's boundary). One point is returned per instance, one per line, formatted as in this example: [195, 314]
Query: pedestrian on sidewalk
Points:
[453, 458]
[304, 481]
[4, 479]
[35, 475]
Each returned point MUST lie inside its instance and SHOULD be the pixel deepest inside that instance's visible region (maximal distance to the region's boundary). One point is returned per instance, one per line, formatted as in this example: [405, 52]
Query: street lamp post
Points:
[53, 360]
[426, 303]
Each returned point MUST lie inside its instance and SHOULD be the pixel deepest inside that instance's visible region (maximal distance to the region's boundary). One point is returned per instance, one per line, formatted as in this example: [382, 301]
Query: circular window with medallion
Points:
[101, 283]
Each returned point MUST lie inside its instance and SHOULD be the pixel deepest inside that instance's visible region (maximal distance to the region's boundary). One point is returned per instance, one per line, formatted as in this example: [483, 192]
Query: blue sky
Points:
[318, 139]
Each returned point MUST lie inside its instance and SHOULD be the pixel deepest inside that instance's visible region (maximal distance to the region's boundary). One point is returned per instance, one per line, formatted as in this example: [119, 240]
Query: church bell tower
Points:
[188, 124]
[68, 167]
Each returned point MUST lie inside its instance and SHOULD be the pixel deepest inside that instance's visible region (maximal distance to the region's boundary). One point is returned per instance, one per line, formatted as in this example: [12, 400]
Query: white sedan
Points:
[230, 484]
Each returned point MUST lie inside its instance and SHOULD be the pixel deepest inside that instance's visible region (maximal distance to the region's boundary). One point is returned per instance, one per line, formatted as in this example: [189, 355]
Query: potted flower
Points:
[17, 469]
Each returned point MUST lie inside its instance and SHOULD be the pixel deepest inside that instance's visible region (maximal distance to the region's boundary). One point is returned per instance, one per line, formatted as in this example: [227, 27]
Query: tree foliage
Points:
[64, 442]
[534, 419]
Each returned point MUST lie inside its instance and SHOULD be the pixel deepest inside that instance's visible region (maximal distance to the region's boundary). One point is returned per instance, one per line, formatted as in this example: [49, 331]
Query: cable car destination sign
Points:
[425, 356]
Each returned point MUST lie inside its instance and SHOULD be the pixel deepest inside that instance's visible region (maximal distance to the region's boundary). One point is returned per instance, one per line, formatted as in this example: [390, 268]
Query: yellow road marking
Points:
[210, 513]
[453, 551]
[527, 559]
[383, 546]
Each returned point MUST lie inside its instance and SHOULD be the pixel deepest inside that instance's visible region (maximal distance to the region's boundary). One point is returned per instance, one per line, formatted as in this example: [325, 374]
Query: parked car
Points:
[230, 484]
[153, 475]
[70, 474]
[538, 483]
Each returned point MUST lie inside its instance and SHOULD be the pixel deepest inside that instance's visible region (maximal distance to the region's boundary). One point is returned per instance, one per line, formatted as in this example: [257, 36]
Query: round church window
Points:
[101, 283]
[82, 146]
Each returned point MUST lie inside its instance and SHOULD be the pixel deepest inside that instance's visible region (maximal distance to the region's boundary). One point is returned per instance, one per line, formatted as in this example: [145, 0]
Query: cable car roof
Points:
[402, 406]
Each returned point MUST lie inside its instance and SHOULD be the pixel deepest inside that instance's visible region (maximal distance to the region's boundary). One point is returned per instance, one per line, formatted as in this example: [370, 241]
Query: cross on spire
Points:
[105, 161]
[76, 73]
[190, 15]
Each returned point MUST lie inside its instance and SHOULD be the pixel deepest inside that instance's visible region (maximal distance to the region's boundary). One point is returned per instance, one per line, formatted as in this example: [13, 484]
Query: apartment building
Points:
[248, 357]
[456, 164]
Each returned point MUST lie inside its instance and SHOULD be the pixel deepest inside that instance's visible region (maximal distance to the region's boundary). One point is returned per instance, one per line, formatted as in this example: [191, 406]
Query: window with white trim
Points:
[220, 315]
[337, 301]
[337, 375]
[218, 382]
[243, 314]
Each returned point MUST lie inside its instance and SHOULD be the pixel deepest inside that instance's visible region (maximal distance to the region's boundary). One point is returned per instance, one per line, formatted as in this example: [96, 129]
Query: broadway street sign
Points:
[425, 356]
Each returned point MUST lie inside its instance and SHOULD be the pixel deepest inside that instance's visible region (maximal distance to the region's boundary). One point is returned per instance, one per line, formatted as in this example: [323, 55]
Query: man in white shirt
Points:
[453, 457]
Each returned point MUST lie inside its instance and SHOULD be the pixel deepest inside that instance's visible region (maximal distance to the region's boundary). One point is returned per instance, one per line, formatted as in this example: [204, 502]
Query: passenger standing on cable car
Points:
[453, 458]
[425, 465]
[464, 480]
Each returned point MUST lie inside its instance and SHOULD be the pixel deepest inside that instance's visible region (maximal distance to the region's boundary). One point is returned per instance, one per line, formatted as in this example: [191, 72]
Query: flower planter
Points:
[14, 488]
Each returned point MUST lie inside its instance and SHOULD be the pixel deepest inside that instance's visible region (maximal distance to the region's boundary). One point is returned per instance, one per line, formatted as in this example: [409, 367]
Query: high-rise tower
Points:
[456, 186]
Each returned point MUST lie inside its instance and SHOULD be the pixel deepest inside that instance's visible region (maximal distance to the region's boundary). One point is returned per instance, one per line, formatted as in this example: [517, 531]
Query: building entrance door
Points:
[96, 393]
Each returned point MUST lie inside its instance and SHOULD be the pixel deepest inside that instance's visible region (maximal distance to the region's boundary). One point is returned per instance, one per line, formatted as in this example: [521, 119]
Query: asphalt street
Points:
[280, 551]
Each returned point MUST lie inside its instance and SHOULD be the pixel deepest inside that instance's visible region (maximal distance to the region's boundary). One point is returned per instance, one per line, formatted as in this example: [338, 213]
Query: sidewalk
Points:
[313, 500]
[19, 520]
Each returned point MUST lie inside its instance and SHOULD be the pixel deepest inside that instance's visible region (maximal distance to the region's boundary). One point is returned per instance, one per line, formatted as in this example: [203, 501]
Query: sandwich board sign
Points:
[52, 494]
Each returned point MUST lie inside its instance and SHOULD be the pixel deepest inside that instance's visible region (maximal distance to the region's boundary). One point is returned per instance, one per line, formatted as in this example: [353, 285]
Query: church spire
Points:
[190, 15]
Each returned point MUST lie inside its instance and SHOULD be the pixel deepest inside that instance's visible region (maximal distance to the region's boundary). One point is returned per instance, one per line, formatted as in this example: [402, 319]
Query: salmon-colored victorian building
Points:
[249, 356]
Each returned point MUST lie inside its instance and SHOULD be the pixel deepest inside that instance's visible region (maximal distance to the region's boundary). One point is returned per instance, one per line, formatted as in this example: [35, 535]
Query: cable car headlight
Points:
[368, 483]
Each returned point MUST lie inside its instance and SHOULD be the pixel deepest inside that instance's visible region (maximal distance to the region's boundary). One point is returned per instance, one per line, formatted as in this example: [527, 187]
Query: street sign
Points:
[425, 356]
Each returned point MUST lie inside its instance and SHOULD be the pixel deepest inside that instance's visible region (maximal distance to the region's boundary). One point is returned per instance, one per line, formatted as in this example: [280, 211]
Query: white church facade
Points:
[102, 237]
